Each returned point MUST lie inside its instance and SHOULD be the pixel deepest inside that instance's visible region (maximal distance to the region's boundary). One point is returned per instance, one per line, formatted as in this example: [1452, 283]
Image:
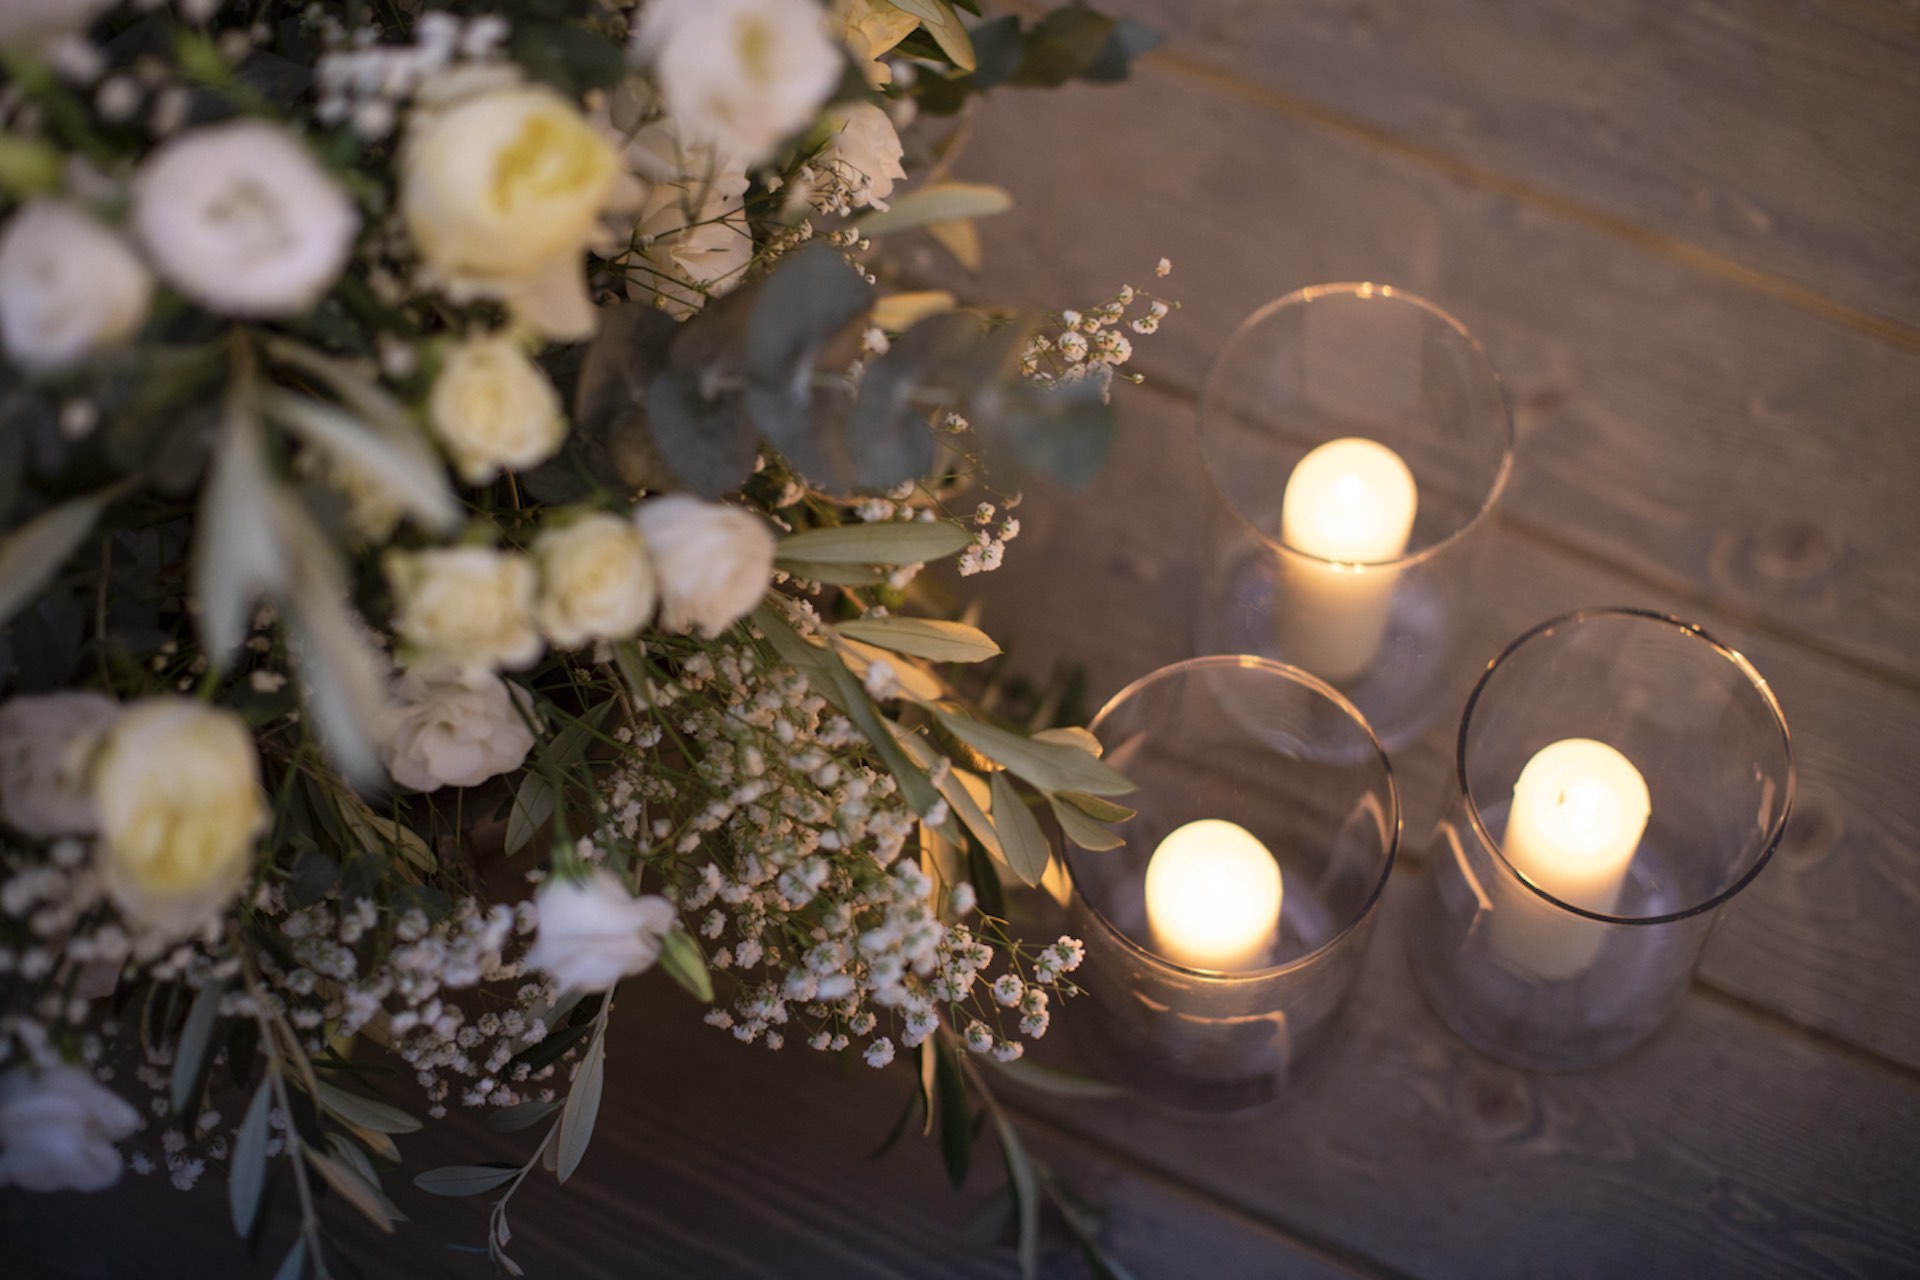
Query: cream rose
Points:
[503, 192]
[596, 581]
[593, 931]
[742, 74]
[692, 227]
[177, 787]
[243, 219]
[865, 152]
[460, 608]
[68, 287]
[46, 742]
[494, 409]
[58, 1129]
[454, 731]
[713, 561]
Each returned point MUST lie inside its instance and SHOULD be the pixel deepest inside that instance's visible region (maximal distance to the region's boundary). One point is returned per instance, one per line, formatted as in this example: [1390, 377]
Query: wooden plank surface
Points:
[1825, 936]
[1772, 135]
[1725, 445]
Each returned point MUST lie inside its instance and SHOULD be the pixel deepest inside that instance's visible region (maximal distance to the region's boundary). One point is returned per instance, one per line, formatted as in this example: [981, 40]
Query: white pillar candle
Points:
[1213, 897]
[1350, 503]
[1579, 810]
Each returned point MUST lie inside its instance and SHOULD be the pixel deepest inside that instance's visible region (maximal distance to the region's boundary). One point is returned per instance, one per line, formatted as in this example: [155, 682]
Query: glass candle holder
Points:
[1621, 776]
[1357, 436]
[1224, 937]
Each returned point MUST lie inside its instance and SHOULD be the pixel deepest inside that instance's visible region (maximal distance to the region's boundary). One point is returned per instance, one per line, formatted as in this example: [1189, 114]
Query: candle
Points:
[1579, 810]
[1213, 897]
[1350, 502]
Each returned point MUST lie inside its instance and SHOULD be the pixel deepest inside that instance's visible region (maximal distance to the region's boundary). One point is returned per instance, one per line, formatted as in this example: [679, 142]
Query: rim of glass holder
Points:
[1727, 651]
[1367, 289]
[1248, 661]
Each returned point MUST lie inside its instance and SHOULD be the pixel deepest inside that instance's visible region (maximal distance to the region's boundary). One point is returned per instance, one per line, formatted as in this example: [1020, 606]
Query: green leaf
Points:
[340, 674]
[1026, 1195]
[365, 1112]
[804, 656]
[34, 552]
[1096, 807]
[465, 1179]
[682, 958]
[945, 28]
[796, 310]
[522, 1115]
[707, 442]
[1063, 1084]
[248, 1174]
[1081, 829]
[887, 428]
[953, 789]
[1062, 45]
[532, 806]
[914, 784]
[839, 575]
[930, 638]
[938, 202]
[411, 477]
[353, 1188]
[295, 1264]
[583, 1106]
[891, 542]
[1022, 842]
[956, 1116]
[192, 1055]
[1048, 766]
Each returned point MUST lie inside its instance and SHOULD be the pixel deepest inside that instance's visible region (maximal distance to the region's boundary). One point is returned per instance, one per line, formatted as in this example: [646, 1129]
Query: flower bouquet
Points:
[465, 474]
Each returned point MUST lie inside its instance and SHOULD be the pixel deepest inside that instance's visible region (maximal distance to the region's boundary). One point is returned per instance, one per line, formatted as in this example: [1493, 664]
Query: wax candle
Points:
[1213, 897]
[1579, 810]
[1349, 503]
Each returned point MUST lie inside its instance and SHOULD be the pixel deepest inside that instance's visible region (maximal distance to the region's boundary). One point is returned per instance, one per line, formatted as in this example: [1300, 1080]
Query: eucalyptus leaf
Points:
[380, 1117]
[812, 296]
[937, 202]
[628, 349]
[891, 542]
[708, 443]
[1048, 766]
[410, 477]
[1082, 829]
[582, 1107]
[686, 964]
[248, 1175]
[353, 1188]
[192, 1055]
[465, 1179]
[930, 638]
[33, 553]
[887, 429]
[1022, 843]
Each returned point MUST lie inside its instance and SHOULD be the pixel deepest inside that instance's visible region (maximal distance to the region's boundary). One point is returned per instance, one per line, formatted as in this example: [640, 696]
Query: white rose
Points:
[745, 74]
[692, 227]
[36, 22]
[494, 409]
[68, 287]
[454, 731]
[244, 219]
[865, 152]
[503, 192]
[593, 932]
[177, 787]
[713, 561]
[46, 743]
[58, 1129]
[596, 581]
[465, 607]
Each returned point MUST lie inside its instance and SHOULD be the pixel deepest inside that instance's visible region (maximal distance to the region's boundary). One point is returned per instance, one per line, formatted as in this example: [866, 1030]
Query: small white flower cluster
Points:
[1090, 344]
[990, 540]
[366, 83]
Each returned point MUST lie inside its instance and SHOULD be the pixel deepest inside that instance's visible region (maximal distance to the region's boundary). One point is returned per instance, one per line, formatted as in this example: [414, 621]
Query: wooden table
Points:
[1685, 232]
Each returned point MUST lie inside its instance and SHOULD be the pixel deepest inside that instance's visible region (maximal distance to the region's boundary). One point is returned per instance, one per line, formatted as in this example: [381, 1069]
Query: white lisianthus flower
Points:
[243, 219]
[46, 743]
[692, 228]
[68, 287]
[503, 191]
[177, 787]
[454, 731]
[744, 74]
[461, 608]
[58, 1129]
[865, 151]
[596, 581]
[593, 931]
[713, 561]
[494, 409]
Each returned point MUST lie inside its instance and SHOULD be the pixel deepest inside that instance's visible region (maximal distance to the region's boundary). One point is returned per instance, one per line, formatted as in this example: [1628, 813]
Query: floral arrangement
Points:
[455, 453]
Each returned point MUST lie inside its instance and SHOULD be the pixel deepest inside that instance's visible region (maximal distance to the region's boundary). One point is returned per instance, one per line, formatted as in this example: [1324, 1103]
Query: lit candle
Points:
[1350, 502]
[1213, 897]
[1579, 810]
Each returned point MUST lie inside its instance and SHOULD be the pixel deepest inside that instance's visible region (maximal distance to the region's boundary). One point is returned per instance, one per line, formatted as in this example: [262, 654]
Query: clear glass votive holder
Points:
[1554, 931]
[1287, 759]
[1358, 436]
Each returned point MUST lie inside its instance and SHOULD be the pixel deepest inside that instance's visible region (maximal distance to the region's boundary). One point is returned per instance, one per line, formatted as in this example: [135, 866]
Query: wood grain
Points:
[1776, 135]
[1113, 578]
[1720, 445]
